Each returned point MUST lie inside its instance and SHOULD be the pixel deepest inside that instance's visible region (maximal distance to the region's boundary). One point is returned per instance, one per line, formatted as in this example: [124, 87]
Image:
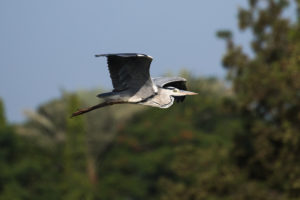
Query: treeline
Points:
[239, 140]
[118, 152]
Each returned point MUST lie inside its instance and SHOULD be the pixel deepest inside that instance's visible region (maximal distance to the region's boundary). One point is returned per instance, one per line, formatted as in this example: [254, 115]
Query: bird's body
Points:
[132, 84]
[160, 99]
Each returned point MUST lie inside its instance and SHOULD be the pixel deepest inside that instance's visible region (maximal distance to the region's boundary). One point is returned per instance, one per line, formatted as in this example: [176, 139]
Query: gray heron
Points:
[132, 84]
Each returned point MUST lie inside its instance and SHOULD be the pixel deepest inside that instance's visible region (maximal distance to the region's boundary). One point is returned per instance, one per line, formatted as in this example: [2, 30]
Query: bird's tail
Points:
[105, 95]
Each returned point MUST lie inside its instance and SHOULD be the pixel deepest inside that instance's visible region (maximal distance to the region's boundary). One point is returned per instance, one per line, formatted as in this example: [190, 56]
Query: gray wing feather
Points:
[130, 71]
[162, 81]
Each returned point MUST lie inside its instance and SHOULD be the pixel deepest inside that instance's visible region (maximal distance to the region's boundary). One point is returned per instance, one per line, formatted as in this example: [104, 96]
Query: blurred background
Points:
[238, 139]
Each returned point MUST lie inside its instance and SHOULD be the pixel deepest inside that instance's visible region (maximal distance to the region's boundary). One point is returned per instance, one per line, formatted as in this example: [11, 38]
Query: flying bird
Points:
[132, 84]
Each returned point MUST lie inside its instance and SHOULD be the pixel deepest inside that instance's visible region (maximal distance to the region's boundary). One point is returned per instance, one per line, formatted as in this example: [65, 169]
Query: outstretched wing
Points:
[130, 71]
[177, 82]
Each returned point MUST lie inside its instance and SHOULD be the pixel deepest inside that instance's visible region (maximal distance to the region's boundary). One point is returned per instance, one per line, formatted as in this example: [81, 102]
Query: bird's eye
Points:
[175, 90]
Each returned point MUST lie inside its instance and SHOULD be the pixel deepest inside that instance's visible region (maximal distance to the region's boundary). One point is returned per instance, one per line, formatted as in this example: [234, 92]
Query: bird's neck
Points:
[165, 98]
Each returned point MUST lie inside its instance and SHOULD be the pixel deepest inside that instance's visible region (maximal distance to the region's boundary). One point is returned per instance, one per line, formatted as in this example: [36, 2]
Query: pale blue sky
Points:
[49, 45]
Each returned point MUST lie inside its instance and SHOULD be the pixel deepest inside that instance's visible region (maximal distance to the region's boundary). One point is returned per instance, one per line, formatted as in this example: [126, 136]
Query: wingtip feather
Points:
[100, 55]
[124, 55]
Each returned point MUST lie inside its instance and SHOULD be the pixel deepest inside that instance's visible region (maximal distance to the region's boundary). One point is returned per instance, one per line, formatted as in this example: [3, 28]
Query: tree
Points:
[2, 115]
[23, 165]
[76, 183]
[267, 87]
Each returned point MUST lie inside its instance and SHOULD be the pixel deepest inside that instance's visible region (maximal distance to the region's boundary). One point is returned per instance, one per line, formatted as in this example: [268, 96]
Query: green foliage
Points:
[225, 34]
[267, 89]
[26, 170]
[2, 115]
[76, 184]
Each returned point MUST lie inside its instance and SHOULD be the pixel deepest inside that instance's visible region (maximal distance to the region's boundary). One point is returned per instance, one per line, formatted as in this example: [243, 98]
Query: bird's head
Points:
[177, 92]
